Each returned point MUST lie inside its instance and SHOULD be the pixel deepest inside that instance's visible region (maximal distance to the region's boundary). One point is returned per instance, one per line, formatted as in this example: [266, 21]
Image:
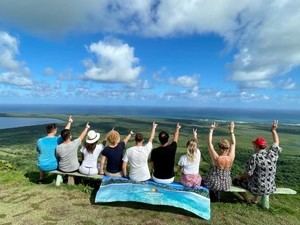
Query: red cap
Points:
[260, 141]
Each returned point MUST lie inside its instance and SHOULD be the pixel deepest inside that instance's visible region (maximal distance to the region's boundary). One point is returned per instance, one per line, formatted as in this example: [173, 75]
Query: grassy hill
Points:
[23, 201]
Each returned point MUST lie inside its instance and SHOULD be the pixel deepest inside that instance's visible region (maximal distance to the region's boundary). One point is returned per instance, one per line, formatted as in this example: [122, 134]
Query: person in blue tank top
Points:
[46, 146]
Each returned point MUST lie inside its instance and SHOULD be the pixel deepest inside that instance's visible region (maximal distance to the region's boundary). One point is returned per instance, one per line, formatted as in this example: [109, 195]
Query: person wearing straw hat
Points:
[90, 152]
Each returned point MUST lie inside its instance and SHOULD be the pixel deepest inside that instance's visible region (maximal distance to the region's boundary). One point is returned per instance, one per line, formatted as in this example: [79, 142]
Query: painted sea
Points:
[123, 190]
[291, 117]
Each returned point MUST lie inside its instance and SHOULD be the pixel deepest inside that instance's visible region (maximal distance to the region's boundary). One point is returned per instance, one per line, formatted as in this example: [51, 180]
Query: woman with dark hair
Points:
[219, 178]
[91, 152]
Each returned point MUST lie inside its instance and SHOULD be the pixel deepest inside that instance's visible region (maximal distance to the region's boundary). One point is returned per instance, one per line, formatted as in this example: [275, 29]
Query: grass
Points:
[23, 201]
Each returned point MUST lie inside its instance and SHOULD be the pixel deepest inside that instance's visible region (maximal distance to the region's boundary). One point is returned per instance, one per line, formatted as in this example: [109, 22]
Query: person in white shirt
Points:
[190, 162]
[137, 157]
[91, 152]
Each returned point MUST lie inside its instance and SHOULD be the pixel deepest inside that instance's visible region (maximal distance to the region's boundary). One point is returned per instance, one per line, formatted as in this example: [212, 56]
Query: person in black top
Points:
[163, 157]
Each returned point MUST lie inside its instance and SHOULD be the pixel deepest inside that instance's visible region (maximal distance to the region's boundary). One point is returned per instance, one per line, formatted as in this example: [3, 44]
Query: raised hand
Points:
[154, 125]
[275, 125]
[178, 126]
[213, 126]
[70, 120]
[195, 132]
[131, 132]
[87, 126]
[231, 127]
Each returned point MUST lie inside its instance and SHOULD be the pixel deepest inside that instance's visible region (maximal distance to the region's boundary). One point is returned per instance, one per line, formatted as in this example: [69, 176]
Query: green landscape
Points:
[24, 201]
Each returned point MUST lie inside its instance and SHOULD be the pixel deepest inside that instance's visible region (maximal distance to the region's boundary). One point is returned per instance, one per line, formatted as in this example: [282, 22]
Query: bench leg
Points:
[265, 203]
[71, 180]
[59, 180]
[219, 196]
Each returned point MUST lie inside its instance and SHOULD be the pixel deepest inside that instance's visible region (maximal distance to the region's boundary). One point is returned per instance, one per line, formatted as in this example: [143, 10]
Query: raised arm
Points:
[195, 134]
[274, 132]
[211, 149]
[126, 139]
[233, 141]
[176, 134]
[70, 121]
[152, 135]
[84, 132]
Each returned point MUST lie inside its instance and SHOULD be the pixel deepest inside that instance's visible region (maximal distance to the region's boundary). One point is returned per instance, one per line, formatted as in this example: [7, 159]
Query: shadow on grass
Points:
[149, 207]
[226, 197]
[93, 195]
[33, 177]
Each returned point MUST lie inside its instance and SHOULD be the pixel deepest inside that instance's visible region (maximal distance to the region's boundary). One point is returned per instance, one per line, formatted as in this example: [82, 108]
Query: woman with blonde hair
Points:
[190, 162]
[112, 154]
[219, 177]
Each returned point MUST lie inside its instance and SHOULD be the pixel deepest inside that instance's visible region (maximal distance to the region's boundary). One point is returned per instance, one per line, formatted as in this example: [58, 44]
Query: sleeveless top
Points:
[219, 178]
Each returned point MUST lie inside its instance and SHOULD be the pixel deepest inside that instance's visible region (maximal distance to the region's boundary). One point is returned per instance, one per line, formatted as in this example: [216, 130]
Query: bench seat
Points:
[71, 176]
[265, 202]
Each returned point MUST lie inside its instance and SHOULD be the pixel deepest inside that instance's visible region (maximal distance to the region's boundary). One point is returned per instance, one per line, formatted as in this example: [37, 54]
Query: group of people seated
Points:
[61, 152]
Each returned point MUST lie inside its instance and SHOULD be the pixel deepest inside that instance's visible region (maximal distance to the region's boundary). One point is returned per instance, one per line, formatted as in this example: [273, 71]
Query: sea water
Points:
[207, 114]
[13, 122]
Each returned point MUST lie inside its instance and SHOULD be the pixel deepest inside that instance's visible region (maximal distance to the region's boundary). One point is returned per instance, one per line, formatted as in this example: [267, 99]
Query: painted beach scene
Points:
[149, 112]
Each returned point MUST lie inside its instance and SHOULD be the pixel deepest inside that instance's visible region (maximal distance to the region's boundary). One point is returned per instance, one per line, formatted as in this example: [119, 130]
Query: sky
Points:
[193, 53]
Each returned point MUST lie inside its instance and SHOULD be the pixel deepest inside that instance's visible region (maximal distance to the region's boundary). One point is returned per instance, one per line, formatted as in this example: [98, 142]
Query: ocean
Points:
[13, 122]
[291, 117]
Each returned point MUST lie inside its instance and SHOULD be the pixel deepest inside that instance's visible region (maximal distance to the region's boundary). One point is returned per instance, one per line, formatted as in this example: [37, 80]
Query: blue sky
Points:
[168, 53]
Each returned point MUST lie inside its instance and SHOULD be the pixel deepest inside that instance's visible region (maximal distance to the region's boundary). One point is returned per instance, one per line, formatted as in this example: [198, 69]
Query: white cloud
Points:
[15, 79]
[269, 44]
[185, 81]
[253, 97]
[8, 51]
[115, 62]
[66, 75]
[153, 18]
[60, 17]
[12, 71]
[48, 71]
[140, 84]
[288, 84]
[264, 34]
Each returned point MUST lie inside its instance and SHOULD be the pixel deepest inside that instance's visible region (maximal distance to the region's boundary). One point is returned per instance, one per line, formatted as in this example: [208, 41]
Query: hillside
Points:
[23, 201]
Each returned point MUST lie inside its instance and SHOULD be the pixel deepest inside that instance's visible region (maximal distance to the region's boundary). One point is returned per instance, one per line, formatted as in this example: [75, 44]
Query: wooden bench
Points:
[59, 177]
[265, 202]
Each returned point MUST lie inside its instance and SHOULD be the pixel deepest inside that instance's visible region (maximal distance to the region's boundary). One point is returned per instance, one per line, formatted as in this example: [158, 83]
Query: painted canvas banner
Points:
[122, 190]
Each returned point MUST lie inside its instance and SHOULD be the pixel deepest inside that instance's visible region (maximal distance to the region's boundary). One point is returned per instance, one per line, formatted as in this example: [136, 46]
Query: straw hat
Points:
[92, 137]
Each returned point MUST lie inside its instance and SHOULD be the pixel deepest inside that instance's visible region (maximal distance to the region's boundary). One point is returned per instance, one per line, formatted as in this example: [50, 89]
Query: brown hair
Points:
[90, 147]
[191, 150]
[65, 134]
[50, 128]
[139, 137]
[224, 145]
[113, 137]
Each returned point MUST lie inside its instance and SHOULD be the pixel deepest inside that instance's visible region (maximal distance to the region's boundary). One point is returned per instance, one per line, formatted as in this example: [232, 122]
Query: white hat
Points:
[92, 137]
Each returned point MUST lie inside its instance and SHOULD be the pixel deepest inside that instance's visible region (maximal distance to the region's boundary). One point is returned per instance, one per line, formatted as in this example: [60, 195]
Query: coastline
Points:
[19, 122]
